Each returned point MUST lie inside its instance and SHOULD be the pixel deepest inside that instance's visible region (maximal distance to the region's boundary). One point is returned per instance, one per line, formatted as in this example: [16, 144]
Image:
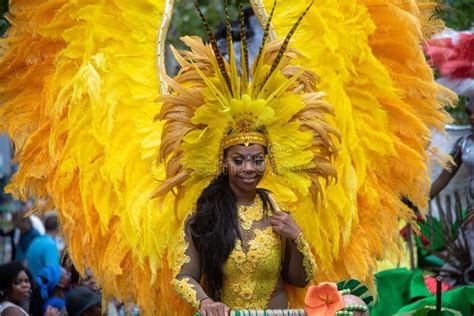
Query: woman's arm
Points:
[187, 273]
[446, 175]
[299, 265]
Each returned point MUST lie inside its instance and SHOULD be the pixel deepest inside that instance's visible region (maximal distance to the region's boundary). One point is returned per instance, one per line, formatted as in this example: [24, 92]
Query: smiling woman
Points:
[15, 288]
[222, 127]
[246, 166]
[241, 242]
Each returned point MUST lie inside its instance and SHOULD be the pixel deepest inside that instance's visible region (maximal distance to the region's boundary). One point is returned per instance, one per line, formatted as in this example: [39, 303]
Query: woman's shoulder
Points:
[10, 309]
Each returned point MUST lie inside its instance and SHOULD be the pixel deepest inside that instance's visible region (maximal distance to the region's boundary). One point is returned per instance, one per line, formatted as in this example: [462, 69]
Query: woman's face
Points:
[246, 166]
[21, 288]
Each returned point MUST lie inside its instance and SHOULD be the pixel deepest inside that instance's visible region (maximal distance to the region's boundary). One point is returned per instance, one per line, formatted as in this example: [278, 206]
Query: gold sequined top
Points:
[255, 269]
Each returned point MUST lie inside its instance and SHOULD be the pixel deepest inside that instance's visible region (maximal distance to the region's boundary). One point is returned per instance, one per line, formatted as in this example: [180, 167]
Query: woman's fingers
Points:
[283, 224]
[214, 309]
[227, 310]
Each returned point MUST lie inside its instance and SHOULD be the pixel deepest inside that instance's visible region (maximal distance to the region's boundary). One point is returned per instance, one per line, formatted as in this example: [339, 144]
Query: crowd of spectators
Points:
[40, 279]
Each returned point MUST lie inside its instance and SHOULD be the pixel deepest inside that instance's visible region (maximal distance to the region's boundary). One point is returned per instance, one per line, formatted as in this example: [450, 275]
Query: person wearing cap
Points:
[82, 301]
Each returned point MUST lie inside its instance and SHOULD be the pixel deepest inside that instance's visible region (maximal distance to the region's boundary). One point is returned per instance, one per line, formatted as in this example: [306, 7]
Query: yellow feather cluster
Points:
[367, 54]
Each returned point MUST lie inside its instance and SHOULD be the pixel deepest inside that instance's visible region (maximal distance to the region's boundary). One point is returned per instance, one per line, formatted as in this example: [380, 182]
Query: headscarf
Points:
[48, 279]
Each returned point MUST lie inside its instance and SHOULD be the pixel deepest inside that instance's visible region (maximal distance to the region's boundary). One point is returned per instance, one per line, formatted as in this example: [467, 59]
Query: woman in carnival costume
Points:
[237, 237]
[78, 80]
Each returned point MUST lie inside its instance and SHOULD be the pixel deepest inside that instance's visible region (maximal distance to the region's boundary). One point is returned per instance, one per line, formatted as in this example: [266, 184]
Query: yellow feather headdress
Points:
[213, 105]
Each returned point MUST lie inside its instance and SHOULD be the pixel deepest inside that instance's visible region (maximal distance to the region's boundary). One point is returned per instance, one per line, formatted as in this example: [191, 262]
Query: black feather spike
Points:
[266, 31]
[217, 52]
[244, 56]
[283, 47]
[228, 27]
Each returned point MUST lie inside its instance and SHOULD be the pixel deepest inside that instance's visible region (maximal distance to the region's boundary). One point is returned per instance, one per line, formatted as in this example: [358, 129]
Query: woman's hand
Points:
[284, 225]
[211, 308]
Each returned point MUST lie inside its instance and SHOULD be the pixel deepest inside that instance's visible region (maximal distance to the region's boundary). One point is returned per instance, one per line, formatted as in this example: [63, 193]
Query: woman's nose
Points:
[249, 165]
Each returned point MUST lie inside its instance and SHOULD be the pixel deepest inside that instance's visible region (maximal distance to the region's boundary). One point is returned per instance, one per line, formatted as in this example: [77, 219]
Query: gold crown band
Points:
[244, 139]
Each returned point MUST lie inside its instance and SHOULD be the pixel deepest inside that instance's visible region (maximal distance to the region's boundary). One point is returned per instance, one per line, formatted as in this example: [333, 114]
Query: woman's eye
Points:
[237, 161]
[259, 161]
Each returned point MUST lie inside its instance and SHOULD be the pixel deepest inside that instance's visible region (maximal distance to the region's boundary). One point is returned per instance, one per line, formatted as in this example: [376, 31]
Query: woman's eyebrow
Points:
[246, 155]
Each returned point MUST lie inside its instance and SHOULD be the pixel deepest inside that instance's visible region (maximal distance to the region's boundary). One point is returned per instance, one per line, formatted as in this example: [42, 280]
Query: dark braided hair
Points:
[214, 229]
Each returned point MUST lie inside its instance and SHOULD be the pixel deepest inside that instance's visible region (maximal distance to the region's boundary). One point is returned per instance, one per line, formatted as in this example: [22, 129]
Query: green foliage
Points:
[431, 311]
[458, 14]
[186, 20]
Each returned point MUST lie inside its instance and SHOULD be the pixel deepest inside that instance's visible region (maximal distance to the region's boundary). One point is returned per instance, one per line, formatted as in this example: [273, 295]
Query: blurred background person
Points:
[82, 301]
[43, 250]
[25, 235]
[53, 283]
[15, 288]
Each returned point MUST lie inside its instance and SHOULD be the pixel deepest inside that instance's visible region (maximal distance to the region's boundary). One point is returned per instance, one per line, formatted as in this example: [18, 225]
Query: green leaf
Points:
[357, 289]
[431, 228]
[431, 311]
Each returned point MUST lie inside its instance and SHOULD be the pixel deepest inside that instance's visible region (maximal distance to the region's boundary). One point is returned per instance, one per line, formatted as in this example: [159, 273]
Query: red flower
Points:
[323, 300]
[453, 58]
[431, 285]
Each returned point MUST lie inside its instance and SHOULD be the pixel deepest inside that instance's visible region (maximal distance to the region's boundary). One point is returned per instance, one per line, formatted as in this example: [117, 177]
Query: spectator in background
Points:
[15, 288]
[53, 282]
[81, 301]
[58, 238]
[43, 251]
[27, 234]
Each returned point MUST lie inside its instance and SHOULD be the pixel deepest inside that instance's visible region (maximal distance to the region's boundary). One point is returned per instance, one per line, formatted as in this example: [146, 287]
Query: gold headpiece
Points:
[245, 139]
[214, 105]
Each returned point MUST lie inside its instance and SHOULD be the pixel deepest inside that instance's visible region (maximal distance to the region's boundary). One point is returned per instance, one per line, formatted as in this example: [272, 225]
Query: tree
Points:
[458, 14]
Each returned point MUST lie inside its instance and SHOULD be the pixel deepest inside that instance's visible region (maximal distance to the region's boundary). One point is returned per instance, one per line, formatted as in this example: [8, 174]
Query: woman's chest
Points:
[251, 273]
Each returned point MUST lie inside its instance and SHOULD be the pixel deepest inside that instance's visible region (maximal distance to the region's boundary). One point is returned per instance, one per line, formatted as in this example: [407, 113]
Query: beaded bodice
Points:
[253, 271]
[254, 266]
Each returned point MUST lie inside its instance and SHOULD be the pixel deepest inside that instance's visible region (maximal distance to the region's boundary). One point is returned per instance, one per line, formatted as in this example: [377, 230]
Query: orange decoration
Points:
[323, 300]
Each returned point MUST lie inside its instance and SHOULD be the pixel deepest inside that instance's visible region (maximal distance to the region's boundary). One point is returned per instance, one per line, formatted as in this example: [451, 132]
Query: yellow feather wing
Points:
[370, 64]
[78, 84]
